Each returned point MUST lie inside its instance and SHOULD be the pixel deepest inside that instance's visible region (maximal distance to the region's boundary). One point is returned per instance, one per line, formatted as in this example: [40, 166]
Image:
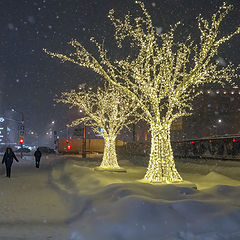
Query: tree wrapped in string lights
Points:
[107, 111]
[163, 76]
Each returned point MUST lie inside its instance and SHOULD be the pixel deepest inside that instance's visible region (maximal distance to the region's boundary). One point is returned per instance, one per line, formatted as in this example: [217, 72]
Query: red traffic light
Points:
[67, 141]
[68, 147]
[21, 140]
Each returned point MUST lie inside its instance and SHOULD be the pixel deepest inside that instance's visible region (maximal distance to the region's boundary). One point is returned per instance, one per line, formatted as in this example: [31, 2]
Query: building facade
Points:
[10, 126]
[215, 113]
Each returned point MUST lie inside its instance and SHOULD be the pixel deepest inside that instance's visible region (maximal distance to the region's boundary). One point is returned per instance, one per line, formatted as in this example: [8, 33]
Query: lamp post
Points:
[22, 129]
[22, 115]
[84, 154]
[21, 132]
[219, 127]
[36, 136]
[51, 134]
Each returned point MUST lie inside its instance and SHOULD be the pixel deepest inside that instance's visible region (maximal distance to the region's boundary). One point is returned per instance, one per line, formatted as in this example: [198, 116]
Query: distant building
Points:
[215, 113]
[9, 129]
[2, 130]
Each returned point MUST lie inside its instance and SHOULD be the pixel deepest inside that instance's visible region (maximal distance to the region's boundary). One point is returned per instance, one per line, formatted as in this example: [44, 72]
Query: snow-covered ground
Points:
[30, 208]
[67, 199]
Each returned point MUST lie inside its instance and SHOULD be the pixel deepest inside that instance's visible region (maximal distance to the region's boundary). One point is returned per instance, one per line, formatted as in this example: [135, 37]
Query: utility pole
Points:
[21, 132]
[84, 155]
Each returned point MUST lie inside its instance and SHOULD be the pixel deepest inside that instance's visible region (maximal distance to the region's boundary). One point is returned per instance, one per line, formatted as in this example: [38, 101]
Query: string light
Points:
[163, 77]
[107, 111]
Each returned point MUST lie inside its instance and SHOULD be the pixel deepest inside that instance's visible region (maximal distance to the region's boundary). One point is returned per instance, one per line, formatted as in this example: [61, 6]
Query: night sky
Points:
[30, 79]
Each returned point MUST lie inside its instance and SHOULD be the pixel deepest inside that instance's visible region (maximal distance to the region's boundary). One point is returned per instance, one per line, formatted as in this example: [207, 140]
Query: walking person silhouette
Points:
[37, 156]
[8, 160]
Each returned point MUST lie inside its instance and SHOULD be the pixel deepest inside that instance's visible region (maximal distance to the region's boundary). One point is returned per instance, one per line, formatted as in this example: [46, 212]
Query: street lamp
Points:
[21, 130]
[84, 152]
[22, 115]
[34, 134]
[84, 136]
[218, 127]
[84, 145]
[54, 135]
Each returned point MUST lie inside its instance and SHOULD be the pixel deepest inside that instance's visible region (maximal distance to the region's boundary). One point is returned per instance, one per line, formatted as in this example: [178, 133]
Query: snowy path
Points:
[29, 204]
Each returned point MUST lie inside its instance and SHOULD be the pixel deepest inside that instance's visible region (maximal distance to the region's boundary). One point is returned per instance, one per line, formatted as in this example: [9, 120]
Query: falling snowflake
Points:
[10, 26]
[31, 19]
[159, 30]
[221, 61]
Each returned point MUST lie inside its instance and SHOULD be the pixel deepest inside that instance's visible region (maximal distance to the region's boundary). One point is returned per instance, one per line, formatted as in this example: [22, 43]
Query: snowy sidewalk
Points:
[30, 208]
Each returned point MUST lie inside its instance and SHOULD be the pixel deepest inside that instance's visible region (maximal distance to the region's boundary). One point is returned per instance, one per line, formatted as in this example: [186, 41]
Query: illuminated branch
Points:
[108, 109]
[163, 75]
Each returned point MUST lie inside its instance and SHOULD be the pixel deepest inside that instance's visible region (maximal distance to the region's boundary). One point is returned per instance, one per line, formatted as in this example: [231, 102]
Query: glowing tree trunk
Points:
[161, 167]
[109, 155]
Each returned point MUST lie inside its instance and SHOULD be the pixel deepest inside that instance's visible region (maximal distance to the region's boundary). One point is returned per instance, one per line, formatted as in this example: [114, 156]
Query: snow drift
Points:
[117, 206]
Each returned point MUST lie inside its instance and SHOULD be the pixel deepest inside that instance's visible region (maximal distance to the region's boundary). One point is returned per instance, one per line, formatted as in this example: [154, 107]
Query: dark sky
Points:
[30, 79]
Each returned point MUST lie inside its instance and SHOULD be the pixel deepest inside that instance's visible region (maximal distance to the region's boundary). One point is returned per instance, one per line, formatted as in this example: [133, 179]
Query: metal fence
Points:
[225, 148]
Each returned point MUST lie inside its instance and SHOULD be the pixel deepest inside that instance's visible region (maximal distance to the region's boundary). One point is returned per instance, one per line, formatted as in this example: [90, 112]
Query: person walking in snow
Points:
[37, 156]
[8, 160]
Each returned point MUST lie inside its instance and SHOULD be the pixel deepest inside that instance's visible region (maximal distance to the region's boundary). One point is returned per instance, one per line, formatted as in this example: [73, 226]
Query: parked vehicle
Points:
[23, 150]
[46, 150]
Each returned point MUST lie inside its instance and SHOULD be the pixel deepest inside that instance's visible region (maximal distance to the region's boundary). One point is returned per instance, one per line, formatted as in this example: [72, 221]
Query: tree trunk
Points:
[161, 167]
[109, 155]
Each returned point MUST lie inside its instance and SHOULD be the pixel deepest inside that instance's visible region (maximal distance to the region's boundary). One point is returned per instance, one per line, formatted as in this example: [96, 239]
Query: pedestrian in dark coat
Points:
[37, 156]
[8, 160]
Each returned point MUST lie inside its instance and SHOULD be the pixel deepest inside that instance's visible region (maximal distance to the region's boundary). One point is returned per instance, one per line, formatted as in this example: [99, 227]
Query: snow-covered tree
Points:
[162, 77]
[107, 111]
